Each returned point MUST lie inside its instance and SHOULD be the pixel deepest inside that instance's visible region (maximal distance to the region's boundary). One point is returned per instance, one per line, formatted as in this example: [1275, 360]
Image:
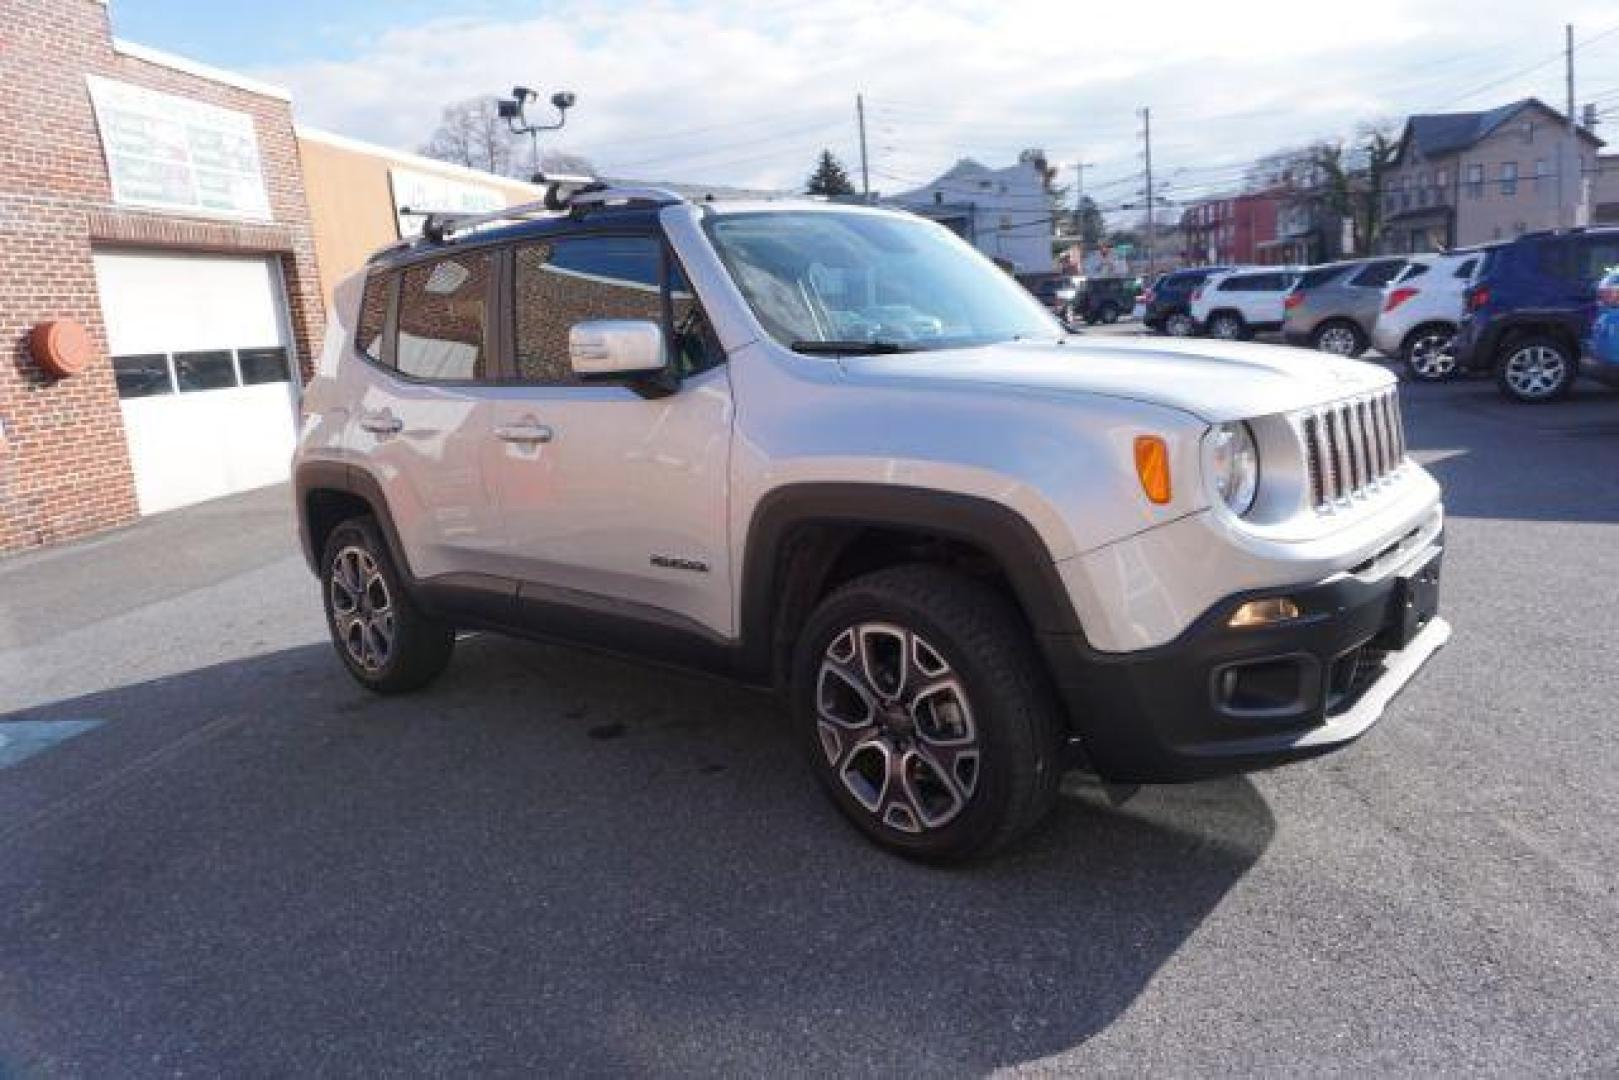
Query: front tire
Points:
[1429, 353]
[1535, 368]
[925, 715]
[1109, 314]
[385, 640]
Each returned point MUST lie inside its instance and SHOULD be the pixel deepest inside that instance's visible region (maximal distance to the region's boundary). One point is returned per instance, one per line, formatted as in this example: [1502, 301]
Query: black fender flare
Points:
[998, 530]
[336, 476]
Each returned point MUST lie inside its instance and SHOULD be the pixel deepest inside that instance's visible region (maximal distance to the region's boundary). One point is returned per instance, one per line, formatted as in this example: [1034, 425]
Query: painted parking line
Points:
[22, 739]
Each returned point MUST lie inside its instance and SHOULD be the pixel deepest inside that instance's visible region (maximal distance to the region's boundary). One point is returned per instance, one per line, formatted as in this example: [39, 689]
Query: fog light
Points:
[1273, 609]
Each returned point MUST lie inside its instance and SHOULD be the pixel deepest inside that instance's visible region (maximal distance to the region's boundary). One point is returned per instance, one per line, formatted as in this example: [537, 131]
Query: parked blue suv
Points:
[1531, 310]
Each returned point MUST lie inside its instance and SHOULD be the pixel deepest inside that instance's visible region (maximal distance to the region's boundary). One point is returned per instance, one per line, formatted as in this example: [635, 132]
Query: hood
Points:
[1215, 381]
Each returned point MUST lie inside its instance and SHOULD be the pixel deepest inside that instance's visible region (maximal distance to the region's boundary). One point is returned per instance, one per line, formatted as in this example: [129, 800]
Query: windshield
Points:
[823, 281]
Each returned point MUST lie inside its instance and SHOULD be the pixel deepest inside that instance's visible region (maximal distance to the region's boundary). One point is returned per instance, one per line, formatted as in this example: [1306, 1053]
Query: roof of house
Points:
[1436, 134]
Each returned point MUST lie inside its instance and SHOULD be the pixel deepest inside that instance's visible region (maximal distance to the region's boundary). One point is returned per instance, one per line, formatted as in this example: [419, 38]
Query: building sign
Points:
[171, 153]
[424, 193]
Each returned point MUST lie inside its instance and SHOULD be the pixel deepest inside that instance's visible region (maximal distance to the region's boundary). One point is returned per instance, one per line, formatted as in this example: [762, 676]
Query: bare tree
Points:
[471, 133]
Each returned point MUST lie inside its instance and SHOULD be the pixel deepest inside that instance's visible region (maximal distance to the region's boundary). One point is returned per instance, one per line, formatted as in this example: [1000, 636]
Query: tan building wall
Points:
[1430, 202]
[350, 185]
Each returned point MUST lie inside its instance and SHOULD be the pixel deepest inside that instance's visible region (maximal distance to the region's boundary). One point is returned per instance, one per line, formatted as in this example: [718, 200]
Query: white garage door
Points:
[200, 347]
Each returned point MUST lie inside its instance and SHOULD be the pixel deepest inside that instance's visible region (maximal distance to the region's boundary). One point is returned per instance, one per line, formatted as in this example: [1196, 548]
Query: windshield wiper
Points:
[851, 348]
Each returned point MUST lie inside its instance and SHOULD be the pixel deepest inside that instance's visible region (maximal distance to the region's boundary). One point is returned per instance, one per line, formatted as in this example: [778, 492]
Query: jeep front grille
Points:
[1352, 448]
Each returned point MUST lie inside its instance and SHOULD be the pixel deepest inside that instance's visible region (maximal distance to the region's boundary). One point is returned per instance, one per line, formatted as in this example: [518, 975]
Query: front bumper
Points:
[1219, 700]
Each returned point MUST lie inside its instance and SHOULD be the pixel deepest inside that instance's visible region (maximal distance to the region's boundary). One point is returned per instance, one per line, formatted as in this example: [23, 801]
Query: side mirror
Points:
[608, 348]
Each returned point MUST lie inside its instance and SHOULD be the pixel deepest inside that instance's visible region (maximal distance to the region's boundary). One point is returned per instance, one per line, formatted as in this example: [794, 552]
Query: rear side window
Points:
[572, 280]
[1378, 274]
[1465, 270]
[1234, 284]
[373, 315]
[1411, 272]
[1314, 279]
[444, 319]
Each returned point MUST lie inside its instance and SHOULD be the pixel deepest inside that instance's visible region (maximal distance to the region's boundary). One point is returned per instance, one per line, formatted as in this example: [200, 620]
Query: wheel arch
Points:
[329, 493]
[1418, 330]
[1519, 329]
[805, 539]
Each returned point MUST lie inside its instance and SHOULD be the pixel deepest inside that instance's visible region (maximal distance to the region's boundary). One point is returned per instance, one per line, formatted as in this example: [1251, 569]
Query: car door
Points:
[1262, 302]
[422, 419]
[613, 496]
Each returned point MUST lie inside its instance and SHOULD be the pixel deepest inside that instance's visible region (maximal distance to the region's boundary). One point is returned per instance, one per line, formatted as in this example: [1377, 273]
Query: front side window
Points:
[444, 319]
[570, 280]
[824, 281]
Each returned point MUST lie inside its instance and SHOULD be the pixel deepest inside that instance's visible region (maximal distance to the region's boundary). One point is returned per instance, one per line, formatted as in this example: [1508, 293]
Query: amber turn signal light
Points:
[1152, 466]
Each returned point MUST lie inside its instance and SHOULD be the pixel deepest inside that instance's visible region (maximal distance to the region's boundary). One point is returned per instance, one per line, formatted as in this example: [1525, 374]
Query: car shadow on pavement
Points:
[551, 860]
[1552, 462]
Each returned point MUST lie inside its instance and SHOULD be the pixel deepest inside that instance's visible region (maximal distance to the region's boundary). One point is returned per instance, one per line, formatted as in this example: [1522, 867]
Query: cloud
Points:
[747, 94]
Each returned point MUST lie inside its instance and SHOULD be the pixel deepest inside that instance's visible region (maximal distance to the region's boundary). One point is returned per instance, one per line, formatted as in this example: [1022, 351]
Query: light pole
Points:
[512, 110]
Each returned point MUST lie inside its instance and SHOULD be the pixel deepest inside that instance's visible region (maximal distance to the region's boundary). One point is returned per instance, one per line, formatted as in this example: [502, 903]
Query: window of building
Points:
[210, 369]
[444, 319]
[1475, 181]
[575, 279]
[1509, 177]
[260, 366]
[1543, 176]
[144, 375]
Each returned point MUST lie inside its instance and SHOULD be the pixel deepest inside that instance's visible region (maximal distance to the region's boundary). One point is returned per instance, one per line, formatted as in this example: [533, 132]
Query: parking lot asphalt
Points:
[220, 856]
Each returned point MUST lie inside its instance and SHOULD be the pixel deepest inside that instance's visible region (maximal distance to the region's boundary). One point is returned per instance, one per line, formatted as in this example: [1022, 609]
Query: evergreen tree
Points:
[829, 177]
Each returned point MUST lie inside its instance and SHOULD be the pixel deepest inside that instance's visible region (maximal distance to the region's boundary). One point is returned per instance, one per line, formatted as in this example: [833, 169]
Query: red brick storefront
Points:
[64, 463]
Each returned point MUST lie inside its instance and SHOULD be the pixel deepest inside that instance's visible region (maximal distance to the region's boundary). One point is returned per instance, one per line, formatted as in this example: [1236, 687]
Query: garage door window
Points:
[210, 370]
[143, 375]
[263, 366]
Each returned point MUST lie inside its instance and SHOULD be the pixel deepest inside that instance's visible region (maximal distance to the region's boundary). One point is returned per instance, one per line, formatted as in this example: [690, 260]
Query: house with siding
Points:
[1004, 213]
[1468, 178]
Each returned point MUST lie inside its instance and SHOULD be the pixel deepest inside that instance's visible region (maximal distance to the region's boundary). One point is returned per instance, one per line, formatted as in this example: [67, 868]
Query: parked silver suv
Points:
[1334, 307]
[834, 451]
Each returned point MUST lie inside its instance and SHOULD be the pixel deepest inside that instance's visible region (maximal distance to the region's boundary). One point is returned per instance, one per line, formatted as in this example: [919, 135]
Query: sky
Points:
[747, 94]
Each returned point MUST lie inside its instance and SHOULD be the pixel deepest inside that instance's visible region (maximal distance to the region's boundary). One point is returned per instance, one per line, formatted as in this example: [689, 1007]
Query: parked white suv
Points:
[1422, 308]
[834, 451]
[1236, 304]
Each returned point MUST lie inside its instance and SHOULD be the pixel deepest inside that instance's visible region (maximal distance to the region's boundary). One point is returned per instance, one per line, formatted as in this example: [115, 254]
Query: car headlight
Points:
[1231, 462]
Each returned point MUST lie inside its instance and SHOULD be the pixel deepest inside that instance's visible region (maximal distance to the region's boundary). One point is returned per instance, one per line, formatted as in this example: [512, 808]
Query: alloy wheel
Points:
[1337, 340]
[1433, 355]
[362, 608]
[1179, 326]
[1536, 371]
[896, 727]
[1226, 328]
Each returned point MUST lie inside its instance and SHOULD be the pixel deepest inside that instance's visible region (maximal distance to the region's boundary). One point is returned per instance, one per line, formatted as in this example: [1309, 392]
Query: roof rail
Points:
[605, 196]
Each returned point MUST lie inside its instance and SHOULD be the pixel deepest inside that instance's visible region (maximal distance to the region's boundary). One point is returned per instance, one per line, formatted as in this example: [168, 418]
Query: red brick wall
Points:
[64, 469]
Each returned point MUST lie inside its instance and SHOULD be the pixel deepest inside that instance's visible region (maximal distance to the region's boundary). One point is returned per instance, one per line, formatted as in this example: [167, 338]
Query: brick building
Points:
[160, 206]
[1229, 231]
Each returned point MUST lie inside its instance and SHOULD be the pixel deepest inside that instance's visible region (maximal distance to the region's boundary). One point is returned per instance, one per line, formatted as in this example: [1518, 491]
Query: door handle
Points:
[382, 423]
[523, 433]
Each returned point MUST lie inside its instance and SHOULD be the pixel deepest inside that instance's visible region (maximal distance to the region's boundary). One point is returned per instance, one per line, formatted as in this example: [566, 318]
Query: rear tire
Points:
[1536, 368]
[385, 640]
[1109, 314]
[925, 715]
[1339, 337]
[1228, 326]
[1429, 353]
[1180, 324]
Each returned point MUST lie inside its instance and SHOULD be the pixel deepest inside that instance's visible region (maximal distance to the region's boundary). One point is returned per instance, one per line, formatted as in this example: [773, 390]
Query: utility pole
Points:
[1146, 139]
[865, 173]
[1574, 170]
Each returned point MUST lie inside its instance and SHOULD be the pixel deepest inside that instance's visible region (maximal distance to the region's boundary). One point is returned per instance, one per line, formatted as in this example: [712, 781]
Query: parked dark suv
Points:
[1530, 309]
[1168, 301]
[1054, 291]
[1103, 299]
